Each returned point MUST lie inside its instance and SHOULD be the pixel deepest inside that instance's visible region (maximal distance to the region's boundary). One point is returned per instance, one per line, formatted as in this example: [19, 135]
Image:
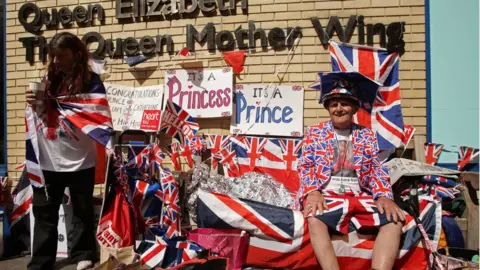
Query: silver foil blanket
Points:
[252, 186]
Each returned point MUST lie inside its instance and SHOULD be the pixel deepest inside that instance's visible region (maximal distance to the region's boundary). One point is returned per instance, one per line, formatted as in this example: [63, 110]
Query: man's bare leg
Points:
[386, 246]
[322, 244]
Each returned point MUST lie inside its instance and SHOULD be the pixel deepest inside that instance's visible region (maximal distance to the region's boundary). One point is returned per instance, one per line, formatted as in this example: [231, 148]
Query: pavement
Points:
[20, 263]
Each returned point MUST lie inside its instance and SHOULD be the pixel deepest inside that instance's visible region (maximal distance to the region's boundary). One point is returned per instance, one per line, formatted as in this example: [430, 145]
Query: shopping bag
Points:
[456, 258]
[228, 243]
[123, 255]
[113, 264]
[116, 226]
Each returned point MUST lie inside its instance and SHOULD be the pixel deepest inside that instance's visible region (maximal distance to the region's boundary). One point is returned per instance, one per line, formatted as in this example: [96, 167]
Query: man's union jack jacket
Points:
[315, 164]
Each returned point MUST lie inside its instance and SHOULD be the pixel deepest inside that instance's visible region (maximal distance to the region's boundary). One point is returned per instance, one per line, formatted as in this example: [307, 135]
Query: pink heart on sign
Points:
[258, 102]
[190, 86]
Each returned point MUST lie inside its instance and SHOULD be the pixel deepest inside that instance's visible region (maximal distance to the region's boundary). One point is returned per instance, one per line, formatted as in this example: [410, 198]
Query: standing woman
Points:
[67, 156]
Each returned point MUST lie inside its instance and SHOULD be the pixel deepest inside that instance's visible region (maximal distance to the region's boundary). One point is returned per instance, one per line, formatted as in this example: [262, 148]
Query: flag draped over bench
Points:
[279, 236]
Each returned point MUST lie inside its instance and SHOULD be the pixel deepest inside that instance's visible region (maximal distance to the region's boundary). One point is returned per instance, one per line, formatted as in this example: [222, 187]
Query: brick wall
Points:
[310, 57]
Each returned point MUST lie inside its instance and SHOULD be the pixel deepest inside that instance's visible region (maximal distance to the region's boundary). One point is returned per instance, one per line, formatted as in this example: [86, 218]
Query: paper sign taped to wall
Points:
[151, 120]
[263, 110]
[202, 93]
[128, 105]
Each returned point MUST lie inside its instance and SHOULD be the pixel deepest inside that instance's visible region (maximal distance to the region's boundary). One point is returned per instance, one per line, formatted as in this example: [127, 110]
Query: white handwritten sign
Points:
[129, 103]
[277, 110]
[202, 93]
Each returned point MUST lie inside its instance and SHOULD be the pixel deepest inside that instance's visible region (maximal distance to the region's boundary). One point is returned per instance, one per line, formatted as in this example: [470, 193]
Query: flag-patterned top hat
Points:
[351, 85]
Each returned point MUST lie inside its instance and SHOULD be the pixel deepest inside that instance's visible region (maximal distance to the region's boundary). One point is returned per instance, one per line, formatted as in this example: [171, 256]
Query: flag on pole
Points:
[197, 144]
[187, 153]
[228, 159]
[177, 123]
[173, 150]
[171, 200]
[409, 131]
[215, 143]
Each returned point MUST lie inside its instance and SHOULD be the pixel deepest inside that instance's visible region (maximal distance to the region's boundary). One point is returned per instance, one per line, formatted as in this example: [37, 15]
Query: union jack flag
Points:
[228, 158]
[120, 172]
[186, 251]
[379, 65]
[143, 195]
[171, 199]
[89, 112]
[291, 150]
[445, 192]
[157, 156]
[436, 191]
[147, 161]
[467, 155]
[432, 152]
[215, 143]
[280, 238]
[152, 253]
[439, 180]
[22, 198]
[254, 147]
[197, 144]
[408, 134]
[187, 153]
[249, 148]
[166, 253]
[271, 159]
[176, 122]
[173, 150]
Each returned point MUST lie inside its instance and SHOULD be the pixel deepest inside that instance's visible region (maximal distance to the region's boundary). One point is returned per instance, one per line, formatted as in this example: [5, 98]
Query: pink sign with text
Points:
[202, 93]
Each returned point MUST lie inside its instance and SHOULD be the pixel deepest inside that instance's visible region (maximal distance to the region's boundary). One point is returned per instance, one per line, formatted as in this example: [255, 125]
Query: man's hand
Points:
[314, 201]
[390, 208]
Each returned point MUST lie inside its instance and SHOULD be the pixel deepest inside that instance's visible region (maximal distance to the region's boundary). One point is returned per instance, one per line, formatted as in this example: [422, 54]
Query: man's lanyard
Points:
[342, 186]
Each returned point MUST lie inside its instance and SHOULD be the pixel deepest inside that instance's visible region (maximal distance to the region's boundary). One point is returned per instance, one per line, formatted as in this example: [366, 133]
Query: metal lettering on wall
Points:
[151, 9]
[390, 36]
[81, 15]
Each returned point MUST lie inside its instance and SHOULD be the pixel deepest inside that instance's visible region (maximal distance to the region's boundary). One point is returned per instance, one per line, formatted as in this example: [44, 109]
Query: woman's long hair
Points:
[80, 69]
